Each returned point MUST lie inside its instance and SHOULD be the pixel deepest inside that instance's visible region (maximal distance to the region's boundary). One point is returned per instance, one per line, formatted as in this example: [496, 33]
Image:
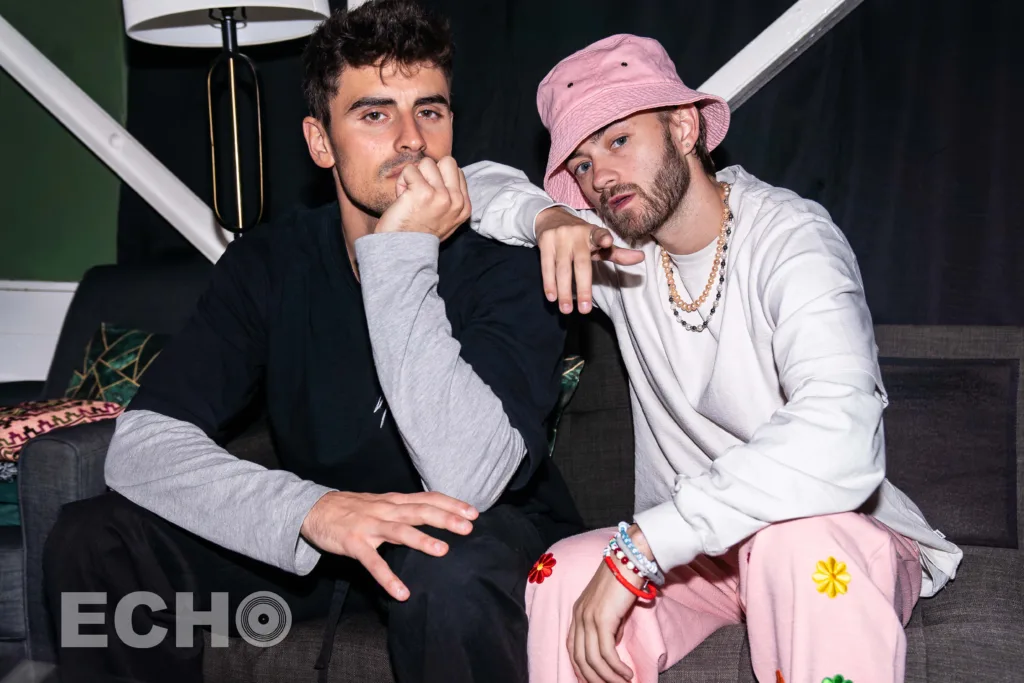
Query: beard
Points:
[668, 189]
[376, 199]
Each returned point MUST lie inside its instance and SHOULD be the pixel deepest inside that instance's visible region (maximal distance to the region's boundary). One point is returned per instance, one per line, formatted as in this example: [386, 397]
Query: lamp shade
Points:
[187, 23]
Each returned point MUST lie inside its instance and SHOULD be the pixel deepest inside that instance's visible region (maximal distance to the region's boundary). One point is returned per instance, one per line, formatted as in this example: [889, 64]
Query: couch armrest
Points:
[13, 393]
[62, 466]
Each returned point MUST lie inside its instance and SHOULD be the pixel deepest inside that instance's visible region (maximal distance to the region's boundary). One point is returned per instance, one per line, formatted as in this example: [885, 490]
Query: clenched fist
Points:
[432, 198]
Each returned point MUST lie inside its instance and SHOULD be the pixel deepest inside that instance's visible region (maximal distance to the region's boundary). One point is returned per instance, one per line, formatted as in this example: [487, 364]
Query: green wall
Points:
[58, 202]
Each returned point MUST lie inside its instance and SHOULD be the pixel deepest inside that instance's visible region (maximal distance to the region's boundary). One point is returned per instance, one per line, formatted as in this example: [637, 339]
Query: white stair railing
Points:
[109, 141]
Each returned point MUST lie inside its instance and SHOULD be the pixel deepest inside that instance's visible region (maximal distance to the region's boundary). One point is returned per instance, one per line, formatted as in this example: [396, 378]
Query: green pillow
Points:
[115, 359]
[572, 367]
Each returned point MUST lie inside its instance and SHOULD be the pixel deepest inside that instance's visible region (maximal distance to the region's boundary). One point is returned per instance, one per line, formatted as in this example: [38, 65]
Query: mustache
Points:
[620, 189]
[400, 160]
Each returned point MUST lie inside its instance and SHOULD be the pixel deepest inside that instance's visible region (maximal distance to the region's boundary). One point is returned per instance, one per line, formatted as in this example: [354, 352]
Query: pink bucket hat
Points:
[607, 81]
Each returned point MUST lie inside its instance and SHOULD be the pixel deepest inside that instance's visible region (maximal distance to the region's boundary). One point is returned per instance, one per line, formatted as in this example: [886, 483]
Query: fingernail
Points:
[439, 547]
[584, 307]
[550, 296]
[402, 593]
[566, 308]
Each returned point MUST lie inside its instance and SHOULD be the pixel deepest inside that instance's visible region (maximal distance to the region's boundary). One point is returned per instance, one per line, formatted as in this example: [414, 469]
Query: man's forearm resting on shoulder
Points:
[456, 429]
[172, 468]
[506, 204]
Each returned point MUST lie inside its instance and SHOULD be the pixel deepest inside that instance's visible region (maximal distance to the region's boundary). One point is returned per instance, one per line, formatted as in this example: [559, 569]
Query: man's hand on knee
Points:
[356, 524]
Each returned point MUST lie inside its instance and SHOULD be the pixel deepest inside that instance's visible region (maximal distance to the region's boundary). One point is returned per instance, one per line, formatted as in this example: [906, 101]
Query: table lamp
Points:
[205, 24]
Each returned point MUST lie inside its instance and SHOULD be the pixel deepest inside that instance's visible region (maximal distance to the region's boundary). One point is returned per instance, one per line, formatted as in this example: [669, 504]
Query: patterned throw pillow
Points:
[115, 359]
[572, 366]
[24, 421]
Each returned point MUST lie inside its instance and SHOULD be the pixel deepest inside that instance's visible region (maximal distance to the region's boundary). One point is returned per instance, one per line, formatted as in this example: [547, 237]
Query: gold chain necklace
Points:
[717, 272]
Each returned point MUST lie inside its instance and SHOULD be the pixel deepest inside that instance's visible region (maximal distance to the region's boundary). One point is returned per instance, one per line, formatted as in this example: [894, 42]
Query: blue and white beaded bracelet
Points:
[647, 566]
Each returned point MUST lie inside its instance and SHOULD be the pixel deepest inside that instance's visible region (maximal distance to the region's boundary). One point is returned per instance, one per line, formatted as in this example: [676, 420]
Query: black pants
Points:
[464, 620]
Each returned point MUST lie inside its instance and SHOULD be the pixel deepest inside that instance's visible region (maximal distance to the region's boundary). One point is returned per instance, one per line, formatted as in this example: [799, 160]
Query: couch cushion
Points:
[955, 427]
[594, 451]
[360, 655]
[974, 628]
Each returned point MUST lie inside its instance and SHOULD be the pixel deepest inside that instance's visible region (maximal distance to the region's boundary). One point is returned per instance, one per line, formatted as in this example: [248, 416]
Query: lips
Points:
[619, 201]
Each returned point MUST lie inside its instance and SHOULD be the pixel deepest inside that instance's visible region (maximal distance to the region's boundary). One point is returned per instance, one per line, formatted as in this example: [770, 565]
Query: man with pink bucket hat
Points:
[756, 395]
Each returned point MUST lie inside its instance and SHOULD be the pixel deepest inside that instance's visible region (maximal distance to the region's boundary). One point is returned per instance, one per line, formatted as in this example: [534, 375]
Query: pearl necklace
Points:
[717, 272]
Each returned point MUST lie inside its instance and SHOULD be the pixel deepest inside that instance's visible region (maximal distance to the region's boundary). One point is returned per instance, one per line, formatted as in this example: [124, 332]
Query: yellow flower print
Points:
[831, 577]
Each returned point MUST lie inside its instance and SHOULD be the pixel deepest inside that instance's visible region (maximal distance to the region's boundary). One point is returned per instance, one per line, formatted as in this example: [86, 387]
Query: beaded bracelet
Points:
[614, 549]
[632, 559]
[648, 592]
[648, 566]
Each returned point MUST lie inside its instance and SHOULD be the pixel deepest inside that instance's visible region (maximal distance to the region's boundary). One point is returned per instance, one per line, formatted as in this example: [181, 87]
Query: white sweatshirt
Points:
[775, 411]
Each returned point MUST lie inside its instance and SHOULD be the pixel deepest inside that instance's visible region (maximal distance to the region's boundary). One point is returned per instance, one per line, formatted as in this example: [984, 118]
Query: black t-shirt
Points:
[282, 323]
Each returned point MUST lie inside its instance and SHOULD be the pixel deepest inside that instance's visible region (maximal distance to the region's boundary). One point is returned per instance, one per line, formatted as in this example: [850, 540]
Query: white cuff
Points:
[539, 205]
[673, 543]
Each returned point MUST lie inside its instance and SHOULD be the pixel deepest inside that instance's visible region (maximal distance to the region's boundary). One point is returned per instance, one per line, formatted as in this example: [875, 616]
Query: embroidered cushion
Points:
[114, 361]
[24, 421]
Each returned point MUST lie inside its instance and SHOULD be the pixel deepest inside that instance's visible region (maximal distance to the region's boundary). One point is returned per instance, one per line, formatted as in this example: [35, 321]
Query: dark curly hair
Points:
[377, 33]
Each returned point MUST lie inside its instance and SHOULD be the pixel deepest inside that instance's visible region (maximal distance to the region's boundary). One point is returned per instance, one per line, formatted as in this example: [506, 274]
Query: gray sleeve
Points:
[461, 442]
[175, 470]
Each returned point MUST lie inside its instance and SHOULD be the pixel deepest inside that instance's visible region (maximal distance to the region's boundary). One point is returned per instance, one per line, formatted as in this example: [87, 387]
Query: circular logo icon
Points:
[263, 619]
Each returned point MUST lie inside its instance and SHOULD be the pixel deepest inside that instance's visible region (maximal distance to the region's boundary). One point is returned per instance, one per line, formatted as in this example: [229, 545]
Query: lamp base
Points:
[231, 58]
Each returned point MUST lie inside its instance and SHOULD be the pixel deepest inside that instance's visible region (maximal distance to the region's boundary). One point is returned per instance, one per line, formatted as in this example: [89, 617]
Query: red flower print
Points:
[542, 568]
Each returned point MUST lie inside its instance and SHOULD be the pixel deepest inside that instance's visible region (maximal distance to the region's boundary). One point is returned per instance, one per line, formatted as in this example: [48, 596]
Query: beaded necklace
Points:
[717, 272]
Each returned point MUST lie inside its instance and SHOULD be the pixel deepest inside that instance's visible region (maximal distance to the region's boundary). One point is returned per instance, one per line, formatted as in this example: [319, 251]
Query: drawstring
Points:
[323, 660]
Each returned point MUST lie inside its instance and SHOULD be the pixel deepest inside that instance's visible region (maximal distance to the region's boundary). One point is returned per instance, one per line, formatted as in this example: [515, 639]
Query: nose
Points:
[604, 177]
[410, 138]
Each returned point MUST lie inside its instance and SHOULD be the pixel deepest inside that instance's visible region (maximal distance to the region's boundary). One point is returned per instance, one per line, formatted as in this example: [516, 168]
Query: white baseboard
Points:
[31, 316]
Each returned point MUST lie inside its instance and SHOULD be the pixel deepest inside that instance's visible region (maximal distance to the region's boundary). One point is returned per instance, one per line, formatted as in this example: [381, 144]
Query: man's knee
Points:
[469, 568]
[86, 537]
[581, 552]
[561, 573]
[481, 575]
[849, 532]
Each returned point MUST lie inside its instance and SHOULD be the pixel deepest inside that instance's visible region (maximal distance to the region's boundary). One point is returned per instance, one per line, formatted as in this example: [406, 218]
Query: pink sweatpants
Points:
[824, 599]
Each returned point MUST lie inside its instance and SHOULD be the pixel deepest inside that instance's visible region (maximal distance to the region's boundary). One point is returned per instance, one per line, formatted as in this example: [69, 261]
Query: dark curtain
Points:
[901, 121]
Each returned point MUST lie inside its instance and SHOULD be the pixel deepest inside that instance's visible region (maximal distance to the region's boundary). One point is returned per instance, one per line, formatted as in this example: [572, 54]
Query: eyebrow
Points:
[592, 139]
[432, 99]
[390, 102]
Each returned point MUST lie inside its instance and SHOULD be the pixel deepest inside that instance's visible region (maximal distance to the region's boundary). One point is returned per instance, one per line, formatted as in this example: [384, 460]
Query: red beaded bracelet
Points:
[651, 593]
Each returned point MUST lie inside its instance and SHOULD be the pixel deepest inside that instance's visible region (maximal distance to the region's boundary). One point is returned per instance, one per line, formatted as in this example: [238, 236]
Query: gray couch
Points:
[955, 434]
